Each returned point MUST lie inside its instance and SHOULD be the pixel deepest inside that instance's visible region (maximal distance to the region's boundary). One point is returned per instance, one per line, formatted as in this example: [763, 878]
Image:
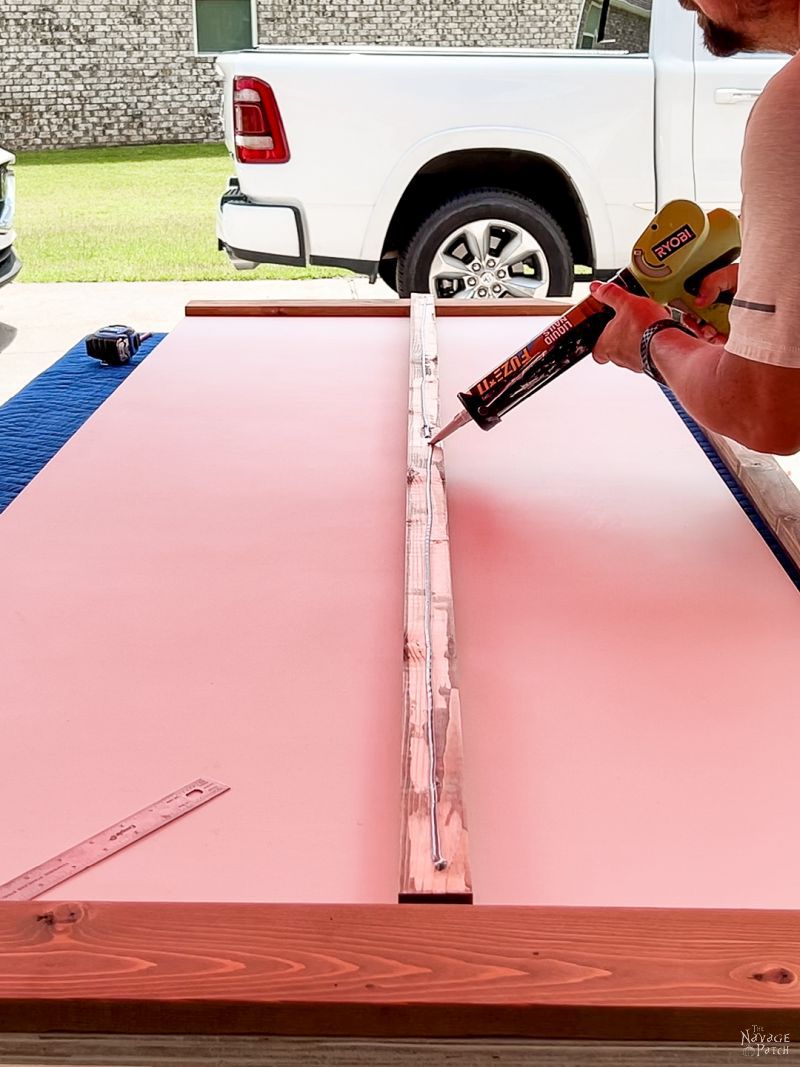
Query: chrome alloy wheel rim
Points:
[489, 258]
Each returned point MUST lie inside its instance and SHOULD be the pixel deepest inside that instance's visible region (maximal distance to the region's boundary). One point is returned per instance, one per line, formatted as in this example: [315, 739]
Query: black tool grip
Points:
[694, 281]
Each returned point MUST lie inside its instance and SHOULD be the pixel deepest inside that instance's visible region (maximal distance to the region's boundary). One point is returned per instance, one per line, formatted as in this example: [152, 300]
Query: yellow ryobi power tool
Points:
[680, 247]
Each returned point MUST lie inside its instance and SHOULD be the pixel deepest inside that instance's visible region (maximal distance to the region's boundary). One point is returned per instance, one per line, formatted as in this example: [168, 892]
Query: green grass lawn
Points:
[128, 214]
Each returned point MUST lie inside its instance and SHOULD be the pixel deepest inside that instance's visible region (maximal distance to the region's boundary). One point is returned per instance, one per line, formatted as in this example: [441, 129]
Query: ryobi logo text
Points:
[675, 241]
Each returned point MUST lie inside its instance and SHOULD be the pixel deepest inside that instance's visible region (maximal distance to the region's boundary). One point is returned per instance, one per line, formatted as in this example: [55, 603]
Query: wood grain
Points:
[206, 1050]
[376, 308]
[406, 971]
[770, 489]
[419, 878]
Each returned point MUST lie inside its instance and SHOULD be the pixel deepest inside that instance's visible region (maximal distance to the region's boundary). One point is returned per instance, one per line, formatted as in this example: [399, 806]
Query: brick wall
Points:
[104, 72]
[91, 72]
[503, 23]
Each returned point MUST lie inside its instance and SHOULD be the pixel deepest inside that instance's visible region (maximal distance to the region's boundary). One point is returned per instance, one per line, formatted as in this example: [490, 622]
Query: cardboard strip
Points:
[434, 861]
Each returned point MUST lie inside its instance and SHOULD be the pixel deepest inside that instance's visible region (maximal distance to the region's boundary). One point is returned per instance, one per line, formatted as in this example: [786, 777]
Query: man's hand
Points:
[620, 341]
[724, 280]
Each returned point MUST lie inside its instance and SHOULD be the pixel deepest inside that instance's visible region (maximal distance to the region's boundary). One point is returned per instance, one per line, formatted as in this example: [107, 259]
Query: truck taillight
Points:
[259, 135]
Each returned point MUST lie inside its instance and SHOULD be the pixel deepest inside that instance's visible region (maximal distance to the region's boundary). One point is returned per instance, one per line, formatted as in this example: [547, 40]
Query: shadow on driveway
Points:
[7, 335]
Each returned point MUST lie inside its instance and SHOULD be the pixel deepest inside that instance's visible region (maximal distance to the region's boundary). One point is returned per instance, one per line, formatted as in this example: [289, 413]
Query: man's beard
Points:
[721, 40]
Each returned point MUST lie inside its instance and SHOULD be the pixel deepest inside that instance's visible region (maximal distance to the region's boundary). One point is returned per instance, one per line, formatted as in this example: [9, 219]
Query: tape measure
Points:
[113, 839]
[115, 345]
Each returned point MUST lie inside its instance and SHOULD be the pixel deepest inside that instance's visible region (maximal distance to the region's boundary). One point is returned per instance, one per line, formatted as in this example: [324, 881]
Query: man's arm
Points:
[757, 404]
[754, 403]
[751, 389]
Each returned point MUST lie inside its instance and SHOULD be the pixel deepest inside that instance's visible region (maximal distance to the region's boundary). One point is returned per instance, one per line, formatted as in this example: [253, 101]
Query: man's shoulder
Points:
[774, 122]
[781, 91]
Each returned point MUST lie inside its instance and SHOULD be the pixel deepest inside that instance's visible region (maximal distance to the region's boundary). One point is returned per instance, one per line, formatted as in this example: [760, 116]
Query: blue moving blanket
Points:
[43, 416]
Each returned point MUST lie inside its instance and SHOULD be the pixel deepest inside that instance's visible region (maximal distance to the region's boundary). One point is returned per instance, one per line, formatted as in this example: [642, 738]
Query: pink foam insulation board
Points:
[208, 581]
[627, 648]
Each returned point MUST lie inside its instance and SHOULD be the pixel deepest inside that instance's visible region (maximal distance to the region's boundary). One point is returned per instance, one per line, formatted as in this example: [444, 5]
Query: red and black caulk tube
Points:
[563, 344]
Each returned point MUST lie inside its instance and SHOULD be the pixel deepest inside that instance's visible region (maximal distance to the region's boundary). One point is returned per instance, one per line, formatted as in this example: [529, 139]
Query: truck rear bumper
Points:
[254, 233]
[260, 233]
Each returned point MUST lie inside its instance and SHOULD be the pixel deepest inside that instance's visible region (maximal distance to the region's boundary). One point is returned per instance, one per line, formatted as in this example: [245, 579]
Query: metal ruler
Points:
[100, 846]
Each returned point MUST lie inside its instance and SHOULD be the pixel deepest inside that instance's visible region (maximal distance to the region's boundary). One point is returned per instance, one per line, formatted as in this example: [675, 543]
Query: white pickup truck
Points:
[480, 172]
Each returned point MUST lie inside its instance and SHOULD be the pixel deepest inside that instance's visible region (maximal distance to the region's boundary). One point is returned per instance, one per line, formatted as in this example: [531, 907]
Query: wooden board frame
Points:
[397, 309]
[190, 1050]
[768, 487]
[404, 971]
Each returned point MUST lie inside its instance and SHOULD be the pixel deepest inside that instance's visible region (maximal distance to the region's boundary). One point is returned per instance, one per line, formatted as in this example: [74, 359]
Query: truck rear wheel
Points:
[484, 244]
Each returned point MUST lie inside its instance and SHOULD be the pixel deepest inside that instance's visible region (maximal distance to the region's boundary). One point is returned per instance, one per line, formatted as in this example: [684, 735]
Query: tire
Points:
[387, 272]
[506, 224]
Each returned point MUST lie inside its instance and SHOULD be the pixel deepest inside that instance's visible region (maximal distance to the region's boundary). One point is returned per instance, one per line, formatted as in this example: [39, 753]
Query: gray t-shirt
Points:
[765, 317]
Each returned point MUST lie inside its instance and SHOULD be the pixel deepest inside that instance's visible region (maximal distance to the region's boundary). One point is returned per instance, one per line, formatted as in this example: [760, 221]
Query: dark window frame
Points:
[253, 9]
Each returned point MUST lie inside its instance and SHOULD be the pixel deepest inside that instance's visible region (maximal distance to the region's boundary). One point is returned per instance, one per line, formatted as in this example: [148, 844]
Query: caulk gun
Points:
[678, 249]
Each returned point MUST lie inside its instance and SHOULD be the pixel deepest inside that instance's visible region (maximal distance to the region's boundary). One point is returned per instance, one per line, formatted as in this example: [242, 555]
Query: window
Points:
[589, 27]
[224, 25]
[627, 26]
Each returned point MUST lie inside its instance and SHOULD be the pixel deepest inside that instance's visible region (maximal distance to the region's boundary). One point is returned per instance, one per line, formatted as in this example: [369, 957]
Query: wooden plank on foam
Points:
[297, 309]
[391, 971]
[773, 493]
[434, 859]
[370, 308]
